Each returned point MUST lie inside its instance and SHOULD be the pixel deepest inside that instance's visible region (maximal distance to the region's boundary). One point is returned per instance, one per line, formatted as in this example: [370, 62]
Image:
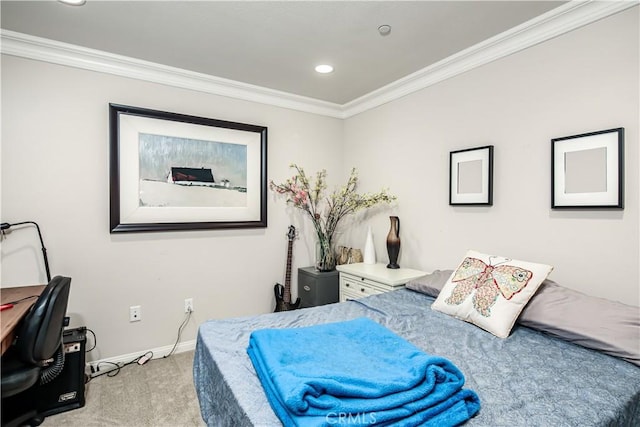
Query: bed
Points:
[529, 378]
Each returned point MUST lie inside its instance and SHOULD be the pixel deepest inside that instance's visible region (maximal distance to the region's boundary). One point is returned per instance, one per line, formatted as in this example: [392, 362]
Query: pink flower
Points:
[300, 197]
[324, 211]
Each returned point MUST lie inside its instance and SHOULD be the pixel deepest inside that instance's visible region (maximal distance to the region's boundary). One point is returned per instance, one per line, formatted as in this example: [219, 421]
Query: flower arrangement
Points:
[326, 212]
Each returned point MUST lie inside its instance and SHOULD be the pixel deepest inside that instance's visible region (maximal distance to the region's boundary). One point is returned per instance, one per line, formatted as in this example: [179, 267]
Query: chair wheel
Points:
[36, 421]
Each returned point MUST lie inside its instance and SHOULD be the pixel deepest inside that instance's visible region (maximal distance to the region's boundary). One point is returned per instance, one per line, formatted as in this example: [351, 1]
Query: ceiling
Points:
[277, 44]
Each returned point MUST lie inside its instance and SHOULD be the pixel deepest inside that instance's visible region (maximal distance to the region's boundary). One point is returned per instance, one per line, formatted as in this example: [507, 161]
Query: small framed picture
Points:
[471, 176]
[587, 170]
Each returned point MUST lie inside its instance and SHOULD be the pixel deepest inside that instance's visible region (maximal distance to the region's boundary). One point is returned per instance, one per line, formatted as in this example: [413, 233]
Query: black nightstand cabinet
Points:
[318, 288]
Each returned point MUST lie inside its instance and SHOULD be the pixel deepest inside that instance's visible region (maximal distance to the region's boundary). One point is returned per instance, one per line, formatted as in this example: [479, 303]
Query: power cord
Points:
[184, 323]
[140, 360]
[95, 340]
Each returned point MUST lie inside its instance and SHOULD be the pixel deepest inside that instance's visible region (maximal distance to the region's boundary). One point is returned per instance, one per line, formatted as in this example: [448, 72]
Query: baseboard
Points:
[158, 353]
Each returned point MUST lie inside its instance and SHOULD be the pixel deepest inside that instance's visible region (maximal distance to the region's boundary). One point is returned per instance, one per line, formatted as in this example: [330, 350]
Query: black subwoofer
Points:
[318, 288]
[66, 391]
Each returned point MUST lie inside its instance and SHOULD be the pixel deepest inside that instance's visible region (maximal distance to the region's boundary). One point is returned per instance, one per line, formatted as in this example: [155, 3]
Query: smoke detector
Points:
[384, 30]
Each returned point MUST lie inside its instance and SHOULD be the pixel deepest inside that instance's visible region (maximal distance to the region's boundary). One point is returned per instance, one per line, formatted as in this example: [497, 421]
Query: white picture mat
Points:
[609, 141]
[130, 126]
[468, 156]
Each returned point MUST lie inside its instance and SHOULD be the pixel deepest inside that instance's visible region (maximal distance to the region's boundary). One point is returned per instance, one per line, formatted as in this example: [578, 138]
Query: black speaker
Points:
[66, 391]
[318, 288]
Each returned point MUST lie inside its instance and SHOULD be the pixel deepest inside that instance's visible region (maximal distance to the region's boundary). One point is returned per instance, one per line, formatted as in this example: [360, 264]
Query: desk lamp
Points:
[5, 226]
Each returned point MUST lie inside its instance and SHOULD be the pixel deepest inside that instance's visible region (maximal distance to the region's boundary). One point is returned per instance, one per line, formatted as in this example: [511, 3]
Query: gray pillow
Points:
[596, 323]
[431, 284]
[608, 326]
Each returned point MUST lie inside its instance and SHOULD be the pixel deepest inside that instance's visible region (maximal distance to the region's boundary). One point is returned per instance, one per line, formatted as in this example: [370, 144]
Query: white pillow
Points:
[490, 291]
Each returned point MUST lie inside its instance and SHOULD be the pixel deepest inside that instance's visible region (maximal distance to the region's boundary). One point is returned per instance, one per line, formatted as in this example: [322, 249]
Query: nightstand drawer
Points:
[358, 287]
[356, 283]
[348, 296]
[360, 280]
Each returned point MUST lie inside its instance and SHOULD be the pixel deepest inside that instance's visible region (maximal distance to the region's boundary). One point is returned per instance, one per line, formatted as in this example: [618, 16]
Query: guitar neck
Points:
[287, 277]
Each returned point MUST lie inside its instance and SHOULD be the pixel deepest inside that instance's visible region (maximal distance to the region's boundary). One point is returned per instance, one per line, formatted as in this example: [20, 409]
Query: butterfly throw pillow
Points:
[490, 291]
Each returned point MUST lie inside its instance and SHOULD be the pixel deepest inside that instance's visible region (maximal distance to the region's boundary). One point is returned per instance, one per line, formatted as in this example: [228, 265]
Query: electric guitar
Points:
[283, 293]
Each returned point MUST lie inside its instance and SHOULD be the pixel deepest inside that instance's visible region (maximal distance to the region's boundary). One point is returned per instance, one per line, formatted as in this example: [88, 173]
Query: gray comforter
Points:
[528, 379]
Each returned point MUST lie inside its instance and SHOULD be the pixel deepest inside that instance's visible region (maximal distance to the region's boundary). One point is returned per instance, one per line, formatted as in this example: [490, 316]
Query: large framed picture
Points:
[471, 176]
[172, 172]
[587, 170]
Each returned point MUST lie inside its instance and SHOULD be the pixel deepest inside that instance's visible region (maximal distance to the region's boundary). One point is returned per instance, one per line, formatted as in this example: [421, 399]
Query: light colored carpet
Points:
[159, 393]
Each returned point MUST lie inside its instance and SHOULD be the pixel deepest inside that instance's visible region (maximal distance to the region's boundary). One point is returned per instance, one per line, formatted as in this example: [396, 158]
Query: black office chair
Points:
[37, 355]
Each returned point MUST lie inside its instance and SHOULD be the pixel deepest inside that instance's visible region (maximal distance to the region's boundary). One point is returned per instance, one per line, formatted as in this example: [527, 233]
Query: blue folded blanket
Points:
[357, 373]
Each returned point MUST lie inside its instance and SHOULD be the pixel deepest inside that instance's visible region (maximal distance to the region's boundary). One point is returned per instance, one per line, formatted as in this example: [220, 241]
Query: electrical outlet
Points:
[188, 305]
[135, 313]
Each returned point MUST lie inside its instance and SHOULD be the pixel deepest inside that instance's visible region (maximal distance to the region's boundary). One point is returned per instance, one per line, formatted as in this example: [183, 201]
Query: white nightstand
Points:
[361, 280]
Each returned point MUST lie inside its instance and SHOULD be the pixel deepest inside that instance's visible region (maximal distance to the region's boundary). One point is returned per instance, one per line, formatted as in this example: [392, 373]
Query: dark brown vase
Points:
[393, 242]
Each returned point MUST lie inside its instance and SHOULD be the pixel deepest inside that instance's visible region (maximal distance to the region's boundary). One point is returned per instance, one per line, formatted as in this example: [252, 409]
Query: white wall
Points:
[55, 143]
[586, 80]
[55, 171]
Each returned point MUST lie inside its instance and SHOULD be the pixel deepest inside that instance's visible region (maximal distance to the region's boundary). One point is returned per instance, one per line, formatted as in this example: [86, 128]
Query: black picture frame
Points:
[587, 170]
[176, 172]
[471, 177]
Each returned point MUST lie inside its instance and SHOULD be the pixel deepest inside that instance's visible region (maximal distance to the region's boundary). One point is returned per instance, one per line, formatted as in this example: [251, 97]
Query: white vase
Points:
[369, 255]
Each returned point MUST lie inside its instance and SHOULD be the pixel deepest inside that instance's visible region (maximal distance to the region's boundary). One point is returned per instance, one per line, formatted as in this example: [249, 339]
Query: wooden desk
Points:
[10, 318]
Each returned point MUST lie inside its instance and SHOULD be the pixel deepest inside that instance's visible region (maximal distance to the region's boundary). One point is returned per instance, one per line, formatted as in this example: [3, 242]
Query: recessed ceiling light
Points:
[324, 69]
[73, 2]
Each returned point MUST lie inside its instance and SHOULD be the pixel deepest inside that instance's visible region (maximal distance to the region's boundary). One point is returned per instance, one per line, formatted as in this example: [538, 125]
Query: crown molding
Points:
[46, 50]
[561, 20]
[568, 17]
